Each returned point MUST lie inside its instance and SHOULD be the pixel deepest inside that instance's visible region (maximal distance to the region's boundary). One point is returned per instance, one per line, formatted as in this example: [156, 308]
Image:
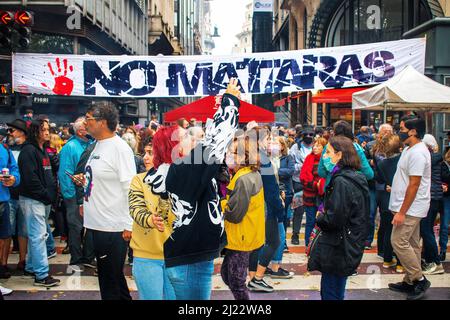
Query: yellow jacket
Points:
[146, 241]
[243, 211]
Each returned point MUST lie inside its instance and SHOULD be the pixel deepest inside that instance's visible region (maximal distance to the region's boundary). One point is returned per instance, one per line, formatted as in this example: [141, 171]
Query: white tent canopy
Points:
[409, 90]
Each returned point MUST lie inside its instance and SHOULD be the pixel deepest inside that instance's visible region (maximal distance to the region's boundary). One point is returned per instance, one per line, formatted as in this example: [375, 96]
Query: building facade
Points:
[244, 38]
[329, 23]
[79, 27]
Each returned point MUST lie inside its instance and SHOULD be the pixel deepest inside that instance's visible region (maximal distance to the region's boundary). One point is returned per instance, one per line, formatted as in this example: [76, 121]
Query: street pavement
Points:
[371, 282]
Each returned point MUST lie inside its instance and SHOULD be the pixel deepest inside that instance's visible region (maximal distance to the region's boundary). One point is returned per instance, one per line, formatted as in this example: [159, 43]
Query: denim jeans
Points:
[373, 214]
[332, 287]
[192, 281]
[430, 248]
[50, 242]
[5, 226]
[445, 221]
[17, 218]
[266, 253]
[279, 253]
[36, 215]
[310, 222]
[151, 279]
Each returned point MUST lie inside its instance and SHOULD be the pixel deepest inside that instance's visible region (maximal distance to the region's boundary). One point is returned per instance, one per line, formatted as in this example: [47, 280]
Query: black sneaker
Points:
[401, 287]
[442, 256]
[28, 275]
[4, 272]
[92, 264]
[294, 239]
[419, 289]
[281, 274]
[259, 285]
[47, 282]
[268, 272]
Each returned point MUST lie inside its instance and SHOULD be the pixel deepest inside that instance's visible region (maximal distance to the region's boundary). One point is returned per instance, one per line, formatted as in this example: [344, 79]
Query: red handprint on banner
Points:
[63, 85]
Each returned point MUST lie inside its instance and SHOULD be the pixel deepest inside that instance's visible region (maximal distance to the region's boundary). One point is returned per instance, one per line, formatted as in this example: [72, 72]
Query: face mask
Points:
[229, 160]
[308, 140]
[329, 165]
[403, 136]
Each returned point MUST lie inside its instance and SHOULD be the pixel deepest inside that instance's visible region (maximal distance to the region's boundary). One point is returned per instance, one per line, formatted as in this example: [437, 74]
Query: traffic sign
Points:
[6, 18]
[24, 18]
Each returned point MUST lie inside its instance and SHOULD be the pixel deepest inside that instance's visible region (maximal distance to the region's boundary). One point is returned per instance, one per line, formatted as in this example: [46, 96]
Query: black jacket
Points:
[436, 180]
[80, 169]
[37, 180]
[198, 230]
[344, 224]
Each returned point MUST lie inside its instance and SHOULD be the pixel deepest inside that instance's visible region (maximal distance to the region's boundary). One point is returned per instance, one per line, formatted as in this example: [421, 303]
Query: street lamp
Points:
[216, 32]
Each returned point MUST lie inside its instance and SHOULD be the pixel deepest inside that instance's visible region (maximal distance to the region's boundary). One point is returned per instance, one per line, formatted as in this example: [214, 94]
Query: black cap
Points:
[19, 124]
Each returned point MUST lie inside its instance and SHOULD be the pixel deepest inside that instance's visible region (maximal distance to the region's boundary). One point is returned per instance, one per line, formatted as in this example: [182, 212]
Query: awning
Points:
[205, 108]
[336, 95]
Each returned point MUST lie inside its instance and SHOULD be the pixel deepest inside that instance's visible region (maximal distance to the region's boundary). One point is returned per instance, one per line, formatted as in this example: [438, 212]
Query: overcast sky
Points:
[228, 16]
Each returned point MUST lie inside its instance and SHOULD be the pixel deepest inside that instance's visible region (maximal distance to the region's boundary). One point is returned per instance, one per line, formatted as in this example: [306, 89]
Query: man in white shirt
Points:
[410, 202]
[107, 180]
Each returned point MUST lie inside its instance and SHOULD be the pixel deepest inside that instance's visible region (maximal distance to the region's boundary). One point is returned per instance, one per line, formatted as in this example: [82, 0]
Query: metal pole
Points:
[385, 112]
[353, 120]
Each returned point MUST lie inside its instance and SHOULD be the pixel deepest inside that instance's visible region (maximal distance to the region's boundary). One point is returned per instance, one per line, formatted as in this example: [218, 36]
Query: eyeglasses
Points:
[11, 130]
[91, 118]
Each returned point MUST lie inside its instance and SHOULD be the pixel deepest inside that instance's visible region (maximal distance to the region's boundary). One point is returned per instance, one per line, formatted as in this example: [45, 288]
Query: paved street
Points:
[371, 283]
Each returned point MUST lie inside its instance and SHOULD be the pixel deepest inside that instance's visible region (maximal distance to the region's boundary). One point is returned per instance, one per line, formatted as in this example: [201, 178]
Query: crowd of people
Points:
[172, 199]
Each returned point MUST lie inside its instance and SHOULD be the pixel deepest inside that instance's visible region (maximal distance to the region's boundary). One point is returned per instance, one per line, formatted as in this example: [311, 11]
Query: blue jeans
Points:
[310, 222]
[17, 219]
[192, 281]
[36, 215]
[373, 214]
[151, 279]
[279, 253]
[445, 221]
[332, 287]
[50, 242]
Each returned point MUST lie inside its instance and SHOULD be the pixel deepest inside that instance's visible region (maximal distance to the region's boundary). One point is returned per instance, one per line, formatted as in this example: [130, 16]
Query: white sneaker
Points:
[5, 291]
[76, 268]
[434, 268]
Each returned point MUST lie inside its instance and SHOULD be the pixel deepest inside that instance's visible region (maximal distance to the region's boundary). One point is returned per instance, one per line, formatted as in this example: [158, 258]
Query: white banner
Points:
[262, 5]
[182, 76]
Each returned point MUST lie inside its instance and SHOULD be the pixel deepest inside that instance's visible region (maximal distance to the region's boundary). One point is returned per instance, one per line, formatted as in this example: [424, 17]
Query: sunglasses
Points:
[11, 130]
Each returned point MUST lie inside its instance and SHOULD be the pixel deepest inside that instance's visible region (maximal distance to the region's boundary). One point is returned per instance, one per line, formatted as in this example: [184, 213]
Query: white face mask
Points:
[229, 160]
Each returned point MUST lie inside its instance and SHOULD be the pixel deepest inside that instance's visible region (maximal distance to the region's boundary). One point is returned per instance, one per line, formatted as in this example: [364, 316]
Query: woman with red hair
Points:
[185, 172]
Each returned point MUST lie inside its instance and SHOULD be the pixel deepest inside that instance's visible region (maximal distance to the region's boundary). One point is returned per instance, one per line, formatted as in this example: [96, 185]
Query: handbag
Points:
[313, 240]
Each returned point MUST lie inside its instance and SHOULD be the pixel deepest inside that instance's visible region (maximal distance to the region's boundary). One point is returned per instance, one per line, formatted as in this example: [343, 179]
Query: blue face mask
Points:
[329, 166]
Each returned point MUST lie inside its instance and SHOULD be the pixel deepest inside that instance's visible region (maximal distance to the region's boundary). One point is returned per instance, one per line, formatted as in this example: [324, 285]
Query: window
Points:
[354, 22]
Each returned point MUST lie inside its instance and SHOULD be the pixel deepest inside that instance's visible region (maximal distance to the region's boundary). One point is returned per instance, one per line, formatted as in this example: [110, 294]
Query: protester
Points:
[183, 123]
[37, 193]
[260, 258]
[300, 150]
[9, 178]
[243, 211]
[313, 186]
[410, 202]
[445, 212]
[130, 139]
[430, 253]
[18, 135]
[198, 234]
[343, 221]
[343, 128]
[108, 174]
[285, 168]
[69, 157]
[364, 136]
[150, 213]
[390, 146]
[374, 154]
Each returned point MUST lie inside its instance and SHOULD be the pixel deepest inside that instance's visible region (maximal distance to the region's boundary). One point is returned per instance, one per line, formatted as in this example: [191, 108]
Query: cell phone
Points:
[72, 176]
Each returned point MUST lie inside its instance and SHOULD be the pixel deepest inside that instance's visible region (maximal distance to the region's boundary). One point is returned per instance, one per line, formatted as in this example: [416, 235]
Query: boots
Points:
[295, 240]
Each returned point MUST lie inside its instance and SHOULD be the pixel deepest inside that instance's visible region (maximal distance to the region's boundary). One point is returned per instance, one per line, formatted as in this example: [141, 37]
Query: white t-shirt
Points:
[109, 172]
[415, 161]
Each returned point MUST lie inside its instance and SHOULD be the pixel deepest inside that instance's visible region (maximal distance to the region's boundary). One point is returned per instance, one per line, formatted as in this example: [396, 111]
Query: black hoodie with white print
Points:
[198, 230]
